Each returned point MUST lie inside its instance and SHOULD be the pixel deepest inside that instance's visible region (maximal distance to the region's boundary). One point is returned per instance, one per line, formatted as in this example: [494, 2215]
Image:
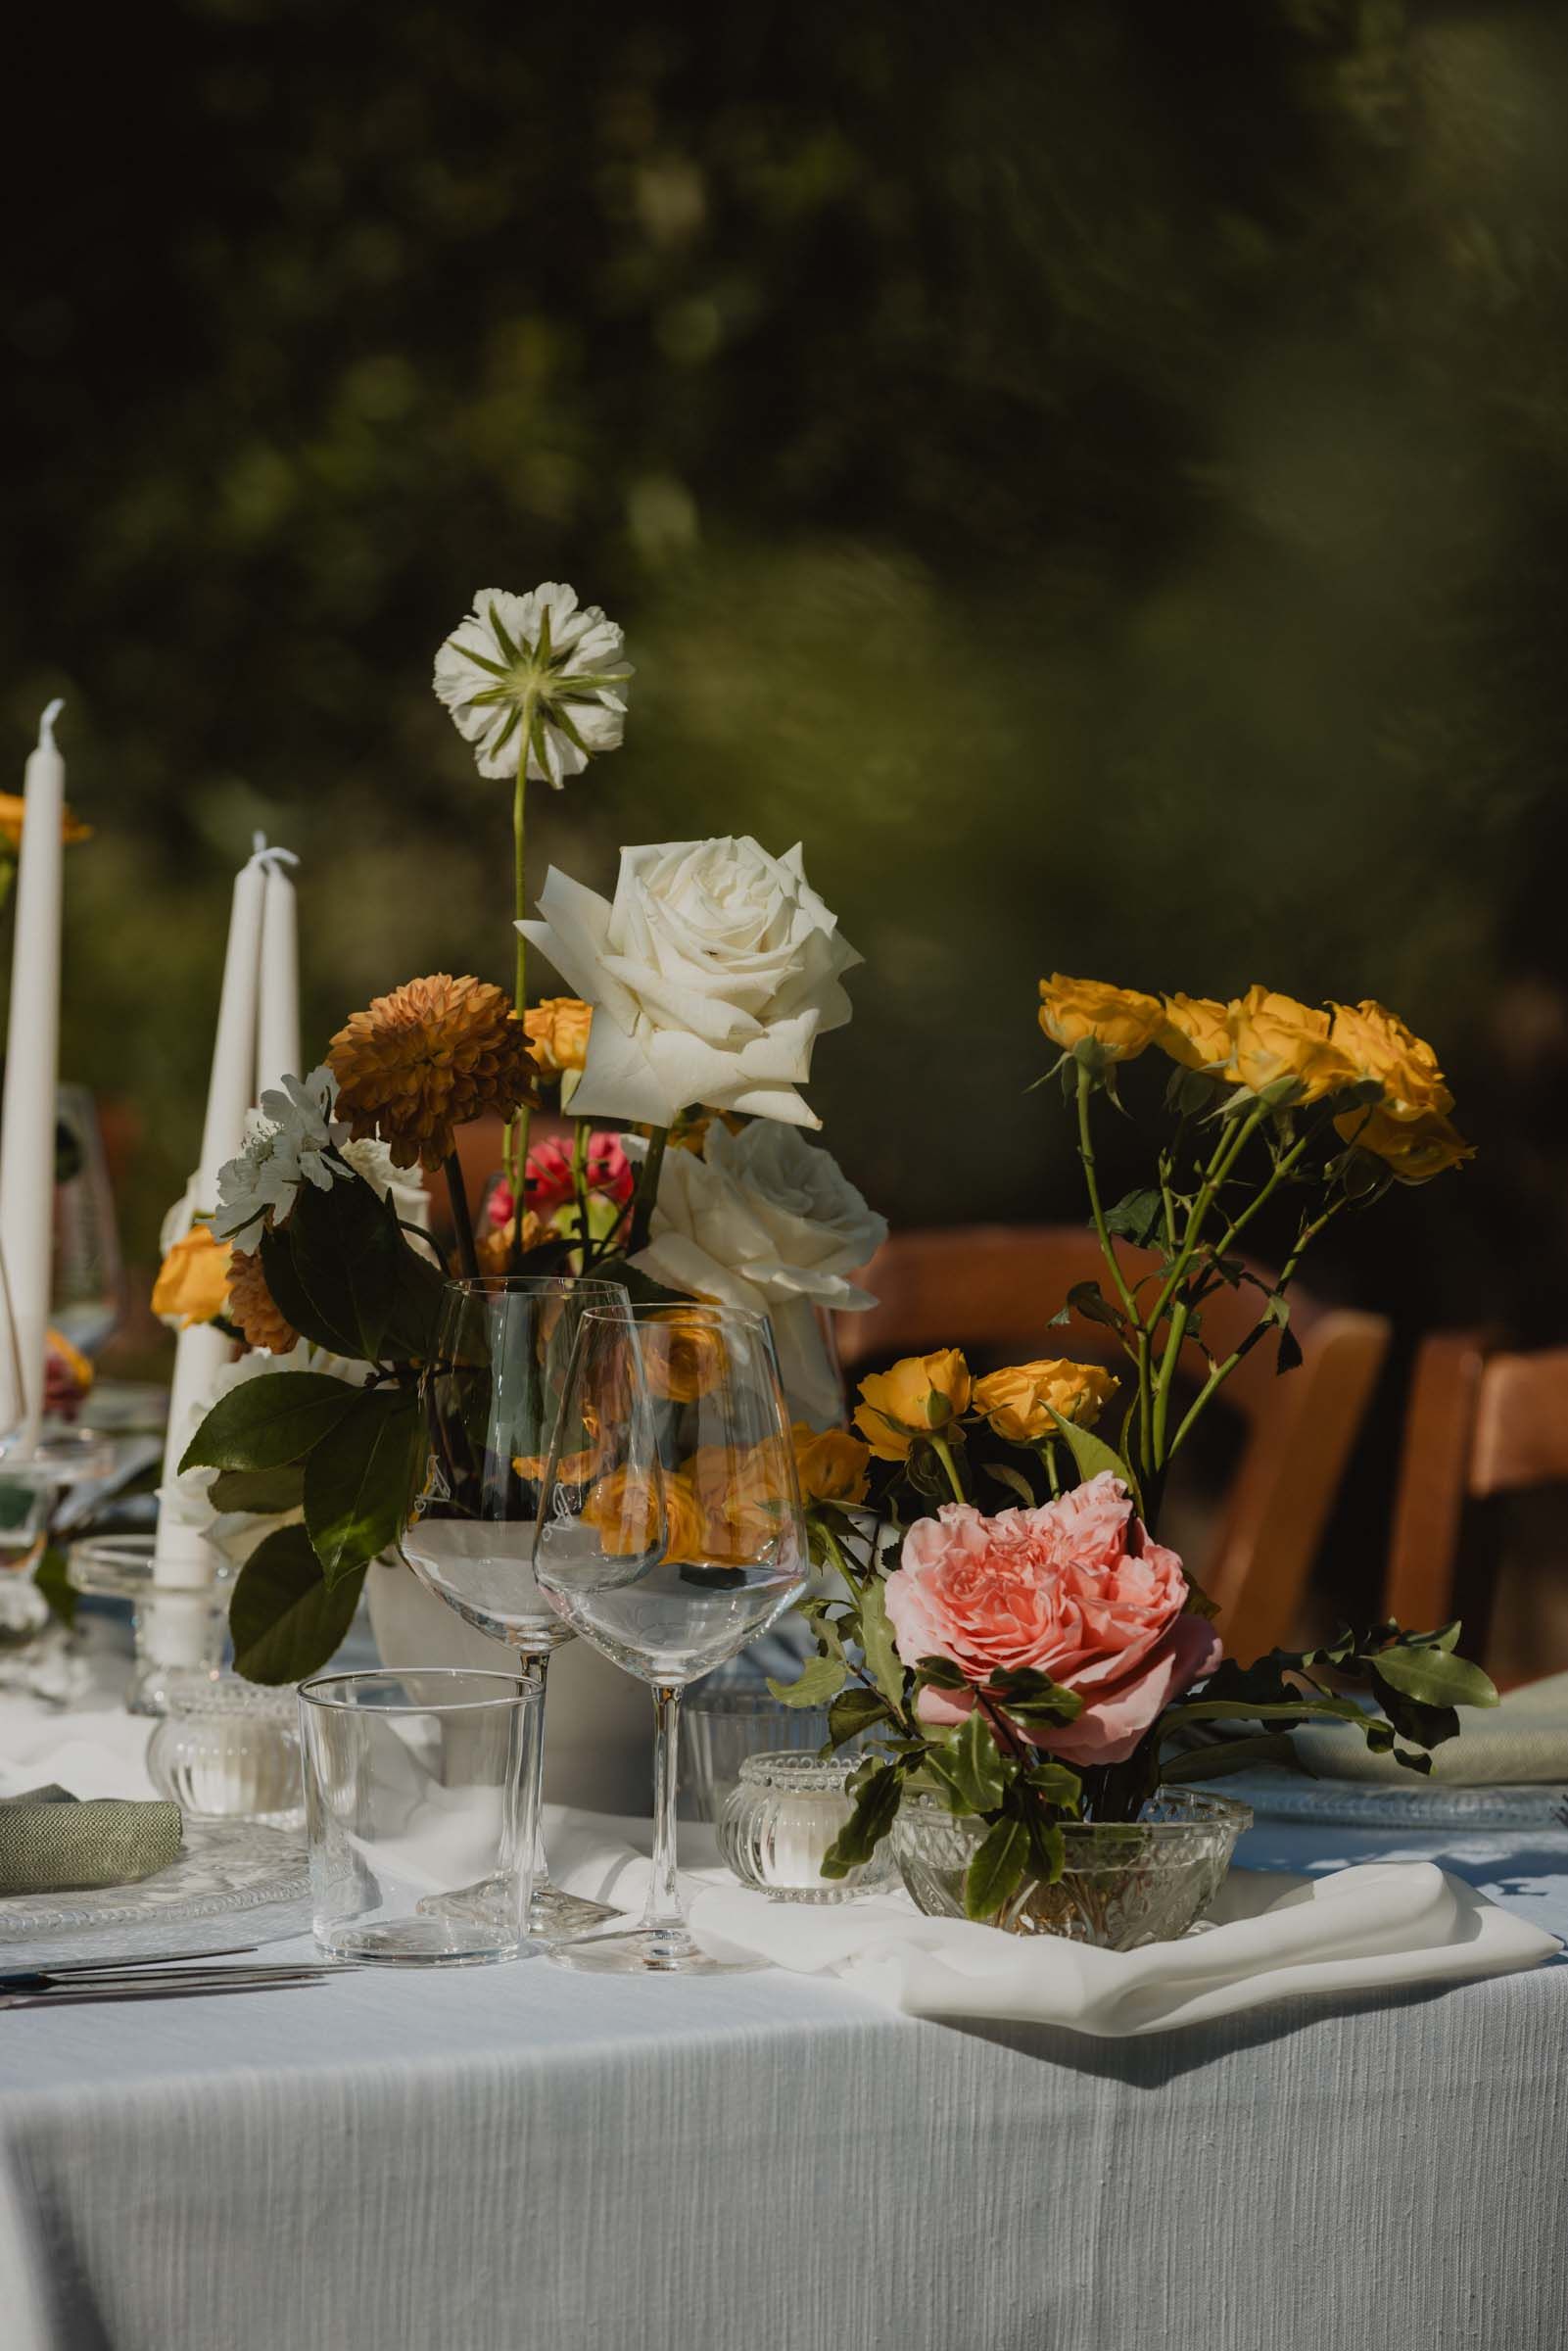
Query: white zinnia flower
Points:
[542, 645]
[372, 1159]
[286, 1144]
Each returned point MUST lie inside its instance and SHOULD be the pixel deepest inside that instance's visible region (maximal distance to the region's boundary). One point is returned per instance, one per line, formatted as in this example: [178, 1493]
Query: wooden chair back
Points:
[997, 1287]
[1478, 1425]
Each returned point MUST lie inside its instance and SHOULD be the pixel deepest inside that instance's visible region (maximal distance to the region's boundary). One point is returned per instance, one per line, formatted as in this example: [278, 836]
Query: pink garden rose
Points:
[1076, 1589]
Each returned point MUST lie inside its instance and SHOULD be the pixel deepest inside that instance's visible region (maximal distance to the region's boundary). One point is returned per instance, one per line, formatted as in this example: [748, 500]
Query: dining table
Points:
[495, 2158]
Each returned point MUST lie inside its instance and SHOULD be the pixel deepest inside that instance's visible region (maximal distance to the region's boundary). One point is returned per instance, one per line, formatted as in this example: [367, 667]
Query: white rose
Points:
[711, 977]
[768, 1221]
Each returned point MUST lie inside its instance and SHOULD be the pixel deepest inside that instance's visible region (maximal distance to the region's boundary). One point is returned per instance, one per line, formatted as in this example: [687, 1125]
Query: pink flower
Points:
[1076, 1589]
[549, 1175]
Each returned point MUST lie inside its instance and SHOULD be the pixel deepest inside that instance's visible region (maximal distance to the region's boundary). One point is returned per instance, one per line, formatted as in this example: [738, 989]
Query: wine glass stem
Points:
[540, 1660]
[664, 1911]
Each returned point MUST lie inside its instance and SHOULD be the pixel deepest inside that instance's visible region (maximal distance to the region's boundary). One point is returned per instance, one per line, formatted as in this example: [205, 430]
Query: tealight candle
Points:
[777, 1828]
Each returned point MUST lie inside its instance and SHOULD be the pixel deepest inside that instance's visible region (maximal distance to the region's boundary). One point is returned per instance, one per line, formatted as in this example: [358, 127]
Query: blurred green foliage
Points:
[1098, 473]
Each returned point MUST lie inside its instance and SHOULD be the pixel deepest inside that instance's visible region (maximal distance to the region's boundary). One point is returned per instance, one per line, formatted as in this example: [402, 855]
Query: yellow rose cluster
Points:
[924, 1397]
[1262, 1039]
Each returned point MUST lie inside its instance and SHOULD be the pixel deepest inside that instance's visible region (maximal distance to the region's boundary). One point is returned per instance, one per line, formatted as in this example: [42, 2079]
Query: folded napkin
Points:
[50, 1844]
[1269, 1936]
[1522, 1741]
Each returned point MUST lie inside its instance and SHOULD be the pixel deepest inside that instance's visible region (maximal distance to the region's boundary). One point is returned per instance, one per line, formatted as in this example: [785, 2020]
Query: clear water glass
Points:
[490, 1392]
[229, 1750]
[776, 1827]
[420, 1790]
[669, 1534]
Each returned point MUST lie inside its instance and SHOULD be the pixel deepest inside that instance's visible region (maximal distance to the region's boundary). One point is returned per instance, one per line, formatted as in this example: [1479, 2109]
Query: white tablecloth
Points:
[500, 2158]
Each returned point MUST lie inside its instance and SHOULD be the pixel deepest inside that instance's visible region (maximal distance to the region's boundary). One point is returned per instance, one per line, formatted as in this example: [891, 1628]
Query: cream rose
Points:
[711, 975]
[766, 1220]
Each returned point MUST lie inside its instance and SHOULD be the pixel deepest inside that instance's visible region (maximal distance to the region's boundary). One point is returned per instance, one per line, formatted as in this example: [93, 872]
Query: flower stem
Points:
[647, 1190]
[517, 1139]
[579, 1190]
[455, 1193]
[944, 1453]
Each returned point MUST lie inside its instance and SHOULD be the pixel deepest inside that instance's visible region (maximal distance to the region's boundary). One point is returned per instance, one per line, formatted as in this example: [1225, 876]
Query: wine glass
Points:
[489, 1394]
[669, 1534]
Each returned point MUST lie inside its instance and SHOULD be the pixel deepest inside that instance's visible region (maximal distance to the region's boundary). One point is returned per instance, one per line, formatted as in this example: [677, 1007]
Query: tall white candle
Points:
[182, 1554]
[32, 1058]
[278, 1034]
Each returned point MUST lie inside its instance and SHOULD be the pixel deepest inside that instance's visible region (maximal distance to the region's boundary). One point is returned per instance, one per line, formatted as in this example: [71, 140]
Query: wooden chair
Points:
[1479, 1424]
[995, 1287]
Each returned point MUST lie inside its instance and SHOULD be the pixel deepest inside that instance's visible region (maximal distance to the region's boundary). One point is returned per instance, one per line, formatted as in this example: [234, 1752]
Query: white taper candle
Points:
[278, 1034]
[32, 1068]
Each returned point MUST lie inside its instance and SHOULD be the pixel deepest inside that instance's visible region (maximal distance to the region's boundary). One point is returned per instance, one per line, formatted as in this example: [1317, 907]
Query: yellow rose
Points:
[744, 1496]
[1273, 1036]
[622, 1509]
[1016, 1401]
[12, 809]
[557, 1033]
[192, 1285]
[683, 1355]
[1378, 1045]
[1416, 1150]
[920, 1397]
[1121, 1021]
[831, 1465]
[1196, 1033]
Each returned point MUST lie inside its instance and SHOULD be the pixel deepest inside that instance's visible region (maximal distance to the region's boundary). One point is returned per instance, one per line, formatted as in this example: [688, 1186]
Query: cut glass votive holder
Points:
[720, 1728]
[779, 1822]
[229, 1750]
[420, 1812]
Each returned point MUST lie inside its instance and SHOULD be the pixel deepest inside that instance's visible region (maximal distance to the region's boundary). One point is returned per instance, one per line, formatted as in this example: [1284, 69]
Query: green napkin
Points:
[50, 1844]
[1522, 1742]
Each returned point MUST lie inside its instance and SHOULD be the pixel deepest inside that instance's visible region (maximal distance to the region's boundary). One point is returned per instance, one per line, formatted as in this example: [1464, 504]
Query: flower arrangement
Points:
[1052, 1661]
[702, 990]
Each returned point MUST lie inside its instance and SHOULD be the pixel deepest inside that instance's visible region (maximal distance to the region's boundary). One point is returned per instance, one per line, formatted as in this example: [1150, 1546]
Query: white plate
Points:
[225, 1869]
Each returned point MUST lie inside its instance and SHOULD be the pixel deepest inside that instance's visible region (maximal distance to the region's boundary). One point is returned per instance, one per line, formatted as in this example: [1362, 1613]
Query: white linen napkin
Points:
[1375, 1927]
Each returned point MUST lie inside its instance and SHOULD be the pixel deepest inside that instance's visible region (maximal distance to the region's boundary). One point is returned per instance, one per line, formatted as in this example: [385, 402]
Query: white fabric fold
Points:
[1270, 1935]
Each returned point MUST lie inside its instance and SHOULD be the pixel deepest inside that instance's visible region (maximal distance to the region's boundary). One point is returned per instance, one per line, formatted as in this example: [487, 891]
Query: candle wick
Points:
[46, 725]
[268, 859]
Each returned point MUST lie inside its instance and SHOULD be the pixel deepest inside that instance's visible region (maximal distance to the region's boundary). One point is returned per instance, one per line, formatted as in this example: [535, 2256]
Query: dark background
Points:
[1097, 473]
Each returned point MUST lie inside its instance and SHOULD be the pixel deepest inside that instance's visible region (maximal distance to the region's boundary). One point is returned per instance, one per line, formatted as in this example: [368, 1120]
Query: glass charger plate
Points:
[1362, 1803]
[227, 1869]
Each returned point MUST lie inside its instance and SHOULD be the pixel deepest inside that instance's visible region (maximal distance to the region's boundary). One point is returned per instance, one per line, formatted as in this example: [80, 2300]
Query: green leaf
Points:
[265, 1422]
[1086, 1298]
[882, 1660]
[1434, 1676]
[419, 1289]
[284, 1622]
[51, 1582]
[1136, 1217]
[1093, 1455]
[875, 1810]
[969, 1765]
[1013, 1479]
[940, 1673]
[1055, 1783]
[819, 1680]
[996, 1870]
[359, 1481]
[639, 1287]
[264, 1491]
[853, 1712]
[1225, 1755]
[334, 1268]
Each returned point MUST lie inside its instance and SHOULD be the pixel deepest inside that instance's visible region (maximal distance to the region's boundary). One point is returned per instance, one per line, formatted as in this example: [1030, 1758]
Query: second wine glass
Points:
[669, 1534]
[490, 1395]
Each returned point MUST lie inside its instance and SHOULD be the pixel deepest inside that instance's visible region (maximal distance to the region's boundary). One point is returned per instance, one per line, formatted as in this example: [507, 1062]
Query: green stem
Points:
[1222, 1372]
[455, 1193]
[647, 1190]
[517, 1138]
[1086, 1155]
[1047, 1453]
[944, 1453]
[579, 1190]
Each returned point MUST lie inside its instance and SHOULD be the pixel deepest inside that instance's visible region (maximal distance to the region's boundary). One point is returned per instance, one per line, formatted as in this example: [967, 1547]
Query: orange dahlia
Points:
[253, 1310]
[430, 1057]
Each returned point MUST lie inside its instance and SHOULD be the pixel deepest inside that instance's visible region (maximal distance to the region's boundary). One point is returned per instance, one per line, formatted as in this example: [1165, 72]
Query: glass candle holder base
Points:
[177, 1630]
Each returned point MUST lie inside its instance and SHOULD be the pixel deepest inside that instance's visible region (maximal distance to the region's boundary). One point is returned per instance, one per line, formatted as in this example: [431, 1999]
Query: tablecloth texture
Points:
[499, 2158]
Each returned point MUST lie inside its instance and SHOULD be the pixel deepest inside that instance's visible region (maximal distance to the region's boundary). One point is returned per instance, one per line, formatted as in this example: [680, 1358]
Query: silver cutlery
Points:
[34, 1988]
[78, 1994]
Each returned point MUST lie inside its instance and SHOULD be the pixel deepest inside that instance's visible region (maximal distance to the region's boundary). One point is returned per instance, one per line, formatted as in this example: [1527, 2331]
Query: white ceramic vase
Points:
[599, 1724]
